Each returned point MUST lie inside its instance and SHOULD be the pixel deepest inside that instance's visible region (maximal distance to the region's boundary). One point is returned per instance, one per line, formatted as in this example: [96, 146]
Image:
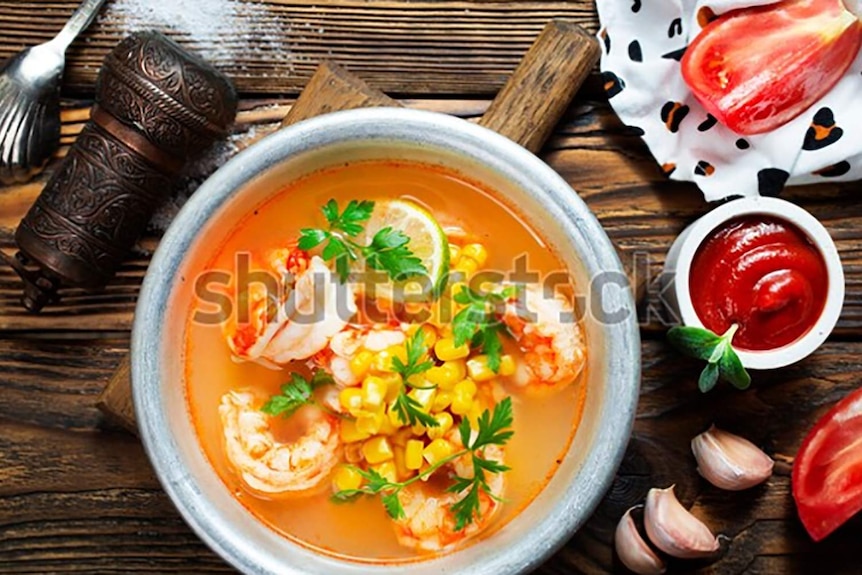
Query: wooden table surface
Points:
[79, 495]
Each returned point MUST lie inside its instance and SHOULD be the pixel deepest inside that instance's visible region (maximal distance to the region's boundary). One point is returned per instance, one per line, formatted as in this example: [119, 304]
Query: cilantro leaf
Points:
[295, 394]
[416, 350]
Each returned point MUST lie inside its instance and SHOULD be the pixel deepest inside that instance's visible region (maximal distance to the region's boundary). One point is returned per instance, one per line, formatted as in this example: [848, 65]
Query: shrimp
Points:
[346, 344]
[553, 347]
[267, 466]
[296, 324]
[429, 523]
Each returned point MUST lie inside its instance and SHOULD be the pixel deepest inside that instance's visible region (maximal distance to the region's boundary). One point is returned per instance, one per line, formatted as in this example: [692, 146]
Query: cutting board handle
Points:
[526, 111]
[543, 85]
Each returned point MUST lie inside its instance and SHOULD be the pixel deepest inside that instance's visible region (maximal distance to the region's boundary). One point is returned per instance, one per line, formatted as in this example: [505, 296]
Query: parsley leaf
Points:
[295, 394]
[393, 506]
[493, 428]
[387, 251]
[477, 322]
[416, 349]
[410, 411]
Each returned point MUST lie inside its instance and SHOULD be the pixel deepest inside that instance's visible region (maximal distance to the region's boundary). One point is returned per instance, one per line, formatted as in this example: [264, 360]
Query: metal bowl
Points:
[527, 184]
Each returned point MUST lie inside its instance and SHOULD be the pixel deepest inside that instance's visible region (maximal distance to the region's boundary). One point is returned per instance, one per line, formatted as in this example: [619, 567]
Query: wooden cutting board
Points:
[525, 111]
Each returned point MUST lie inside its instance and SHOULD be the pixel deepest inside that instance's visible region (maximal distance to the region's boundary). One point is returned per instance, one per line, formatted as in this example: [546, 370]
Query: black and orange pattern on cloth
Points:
[642, 45]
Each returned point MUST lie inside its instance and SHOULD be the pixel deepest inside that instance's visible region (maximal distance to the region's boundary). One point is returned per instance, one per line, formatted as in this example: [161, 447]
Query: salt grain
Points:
[220, 31]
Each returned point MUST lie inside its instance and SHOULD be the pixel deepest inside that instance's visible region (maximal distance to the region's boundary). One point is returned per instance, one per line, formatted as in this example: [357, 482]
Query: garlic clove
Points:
[673, 529]
[729, 461]
[633, 551]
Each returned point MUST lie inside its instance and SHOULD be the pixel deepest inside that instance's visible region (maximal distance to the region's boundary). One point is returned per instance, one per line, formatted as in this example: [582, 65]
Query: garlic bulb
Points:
[633, 551]
[673, 529]
[729, 461]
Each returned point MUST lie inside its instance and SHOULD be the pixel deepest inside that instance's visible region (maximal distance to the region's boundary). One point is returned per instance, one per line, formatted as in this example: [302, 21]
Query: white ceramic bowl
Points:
[677, 272]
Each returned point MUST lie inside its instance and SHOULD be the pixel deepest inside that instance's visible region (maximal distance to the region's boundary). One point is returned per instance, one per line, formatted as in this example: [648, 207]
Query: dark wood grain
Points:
[608, 165]
[404, 47]
[77, 496]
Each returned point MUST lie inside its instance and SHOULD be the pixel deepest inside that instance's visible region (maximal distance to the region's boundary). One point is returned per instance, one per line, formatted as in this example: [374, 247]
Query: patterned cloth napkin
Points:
[642, 43]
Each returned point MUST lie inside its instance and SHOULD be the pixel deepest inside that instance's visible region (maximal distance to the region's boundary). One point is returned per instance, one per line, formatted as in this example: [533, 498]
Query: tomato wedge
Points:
[827, 472]
[757, 68]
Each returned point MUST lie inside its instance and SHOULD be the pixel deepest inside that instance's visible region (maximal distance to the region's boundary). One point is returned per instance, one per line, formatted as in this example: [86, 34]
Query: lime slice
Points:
[427, 241]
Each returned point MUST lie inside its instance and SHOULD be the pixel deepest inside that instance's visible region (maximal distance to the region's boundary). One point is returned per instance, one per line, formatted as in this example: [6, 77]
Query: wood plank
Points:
[607, 164]
[77, 497]
[403, 47]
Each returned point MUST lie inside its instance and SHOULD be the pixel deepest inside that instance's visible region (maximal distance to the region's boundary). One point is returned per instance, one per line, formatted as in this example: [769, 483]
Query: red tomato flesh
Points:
[758, 68]
[827, 472]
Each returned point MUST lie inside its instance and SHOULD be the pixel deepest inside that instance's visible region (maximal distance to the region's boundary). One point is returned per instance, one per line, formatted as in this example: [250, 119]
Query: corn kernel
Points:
[467, 265]
[447, 375]
[446, 350]
[401, 469]
[350, 399]
[383, 360]
[346, 477]
[418, 429]
[394, 417]
[369, 422]
[402, 436]
[454, 254]
[429, 335]
[351, 432]
[477, 252]
[373, 391]
[461, 403]
[387, 427]
[507, 365]
[413, 454]
[360, 363]
[387, 470]
[394, 383]
[444, 424]
[465, 387]
[478, 369]
[442, 400]
[437, 450]
[377, 450]
[425, 397]
[473, 414]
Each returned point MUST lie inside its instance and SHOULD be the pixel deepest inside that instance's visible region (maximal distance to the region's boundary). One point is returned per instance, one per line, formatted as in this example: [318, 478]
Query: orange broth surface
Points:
[543, 426]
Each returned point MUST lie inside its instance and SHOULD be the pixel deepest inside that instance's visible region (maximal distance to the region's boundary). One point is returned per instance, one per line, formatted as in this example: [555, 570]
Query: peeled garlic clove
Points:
[633, 551]
[673, 529]
[729, 461]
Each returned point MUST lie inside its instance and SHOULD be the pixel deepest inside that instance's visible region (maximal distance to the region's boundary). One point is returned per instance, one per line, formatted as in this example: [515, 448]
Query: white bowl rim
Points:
[620, 393]
[701, 229]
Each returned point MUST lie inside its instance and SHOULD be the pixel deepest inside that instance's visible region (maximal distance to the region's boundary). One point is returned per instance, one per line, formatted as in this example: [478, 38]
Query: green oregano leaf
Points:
[717, 350]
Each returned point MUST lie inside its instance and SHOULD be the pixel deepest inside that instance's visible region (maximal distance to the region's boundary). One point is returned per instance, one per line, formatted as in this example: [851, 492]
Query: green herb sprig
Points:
[493, 429]
[477, 322]
[297, 392]
[408, 409]
[716, 350]
[387, 251]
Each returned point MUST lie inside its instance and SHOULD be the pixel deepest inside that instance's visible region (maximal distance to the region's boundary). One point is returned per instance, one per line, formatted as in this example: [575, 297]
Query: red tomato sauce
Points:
[762, 273]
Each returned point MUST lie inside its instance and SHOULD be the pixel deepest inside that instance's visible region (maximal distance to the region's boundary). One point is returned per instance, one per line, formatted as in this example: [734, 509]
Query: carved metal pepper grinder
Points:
[156, 105]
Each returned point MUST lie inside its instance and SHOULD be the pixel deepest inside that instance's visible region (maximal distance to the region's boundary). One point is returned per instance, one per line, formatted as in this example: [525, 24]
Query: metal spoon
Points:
[30, 100]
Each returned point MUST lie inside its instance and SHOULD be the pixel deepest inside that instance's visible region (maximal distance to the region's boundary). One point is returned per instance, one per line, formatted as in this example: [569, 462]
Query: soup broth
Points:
[544, 423]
